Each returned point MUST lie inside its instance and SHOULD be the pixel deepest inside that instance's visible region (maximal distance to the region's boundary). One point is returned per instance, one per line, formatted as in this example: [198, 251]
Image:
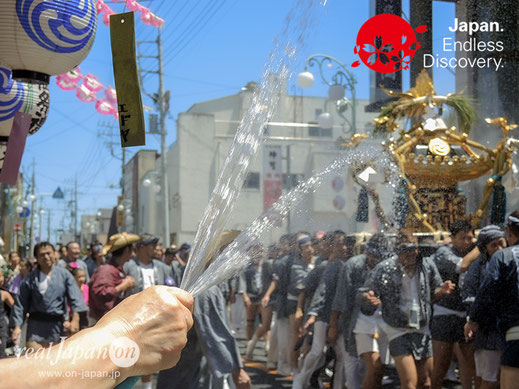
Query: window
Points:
[292, 180]
[252, 181]
[318, 131]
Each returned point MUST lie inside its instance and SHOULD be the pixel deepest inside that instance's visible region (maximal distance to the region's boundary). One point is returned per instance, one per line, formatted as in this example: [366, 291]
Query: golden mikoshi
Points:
[432, 159]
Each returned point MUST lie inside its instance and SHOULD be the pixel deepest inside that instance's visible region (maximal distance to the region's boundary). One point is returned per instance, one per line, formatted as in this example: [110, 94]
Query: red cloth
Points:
[102, 293]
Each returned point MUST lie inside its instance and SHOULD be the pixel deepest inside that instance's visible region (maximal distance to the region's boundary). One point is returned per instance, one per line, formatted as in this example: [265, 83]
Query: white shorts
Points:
[366, 343]
[487, 364]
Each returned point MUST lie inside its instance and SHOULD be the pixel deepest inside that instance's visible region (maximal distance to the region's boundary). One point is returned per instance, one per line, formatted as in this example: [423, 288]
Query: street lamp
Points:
[152, 188]
[32, 198]
[338, 83]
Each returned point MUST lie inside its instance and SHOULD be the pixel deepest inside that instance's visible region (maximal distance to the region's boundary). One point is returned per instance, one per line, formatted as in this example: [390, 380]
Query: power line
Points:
[202, 19]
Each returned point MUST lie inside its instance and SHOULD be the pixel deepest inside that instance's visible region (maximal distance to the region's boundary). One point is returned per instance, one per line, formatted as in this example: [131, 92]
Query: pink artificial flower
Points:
[85, 95]
[92, 83]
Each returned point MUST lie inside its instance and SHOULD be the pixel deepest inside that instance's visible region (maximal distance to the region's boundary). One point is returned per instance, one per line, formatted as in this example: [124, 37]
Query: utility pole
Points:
[161, 100]
[164, 147]
[41, 219]
[33, 184]
[289, 184]
[48, 226]
[111, 143]
[75, 208]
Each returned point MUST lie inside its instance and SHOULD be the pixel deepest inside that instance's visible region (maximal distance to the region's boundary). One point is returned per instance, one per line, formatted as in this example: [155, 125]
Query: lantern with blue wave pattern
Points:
[16, 96]
[41, 38]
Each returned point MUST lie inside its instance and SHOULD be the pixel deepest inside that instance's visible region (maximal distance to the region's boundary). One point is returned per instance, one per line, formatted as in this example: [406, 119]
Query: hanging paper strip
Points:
[12, 151]
[131, 115]
[147, 17]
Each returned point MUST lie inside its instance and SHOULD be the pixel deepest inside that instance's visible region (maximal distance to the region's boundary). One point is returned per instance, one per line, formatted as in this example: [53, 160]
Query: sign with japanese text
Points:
[129, 102]
[272, 175]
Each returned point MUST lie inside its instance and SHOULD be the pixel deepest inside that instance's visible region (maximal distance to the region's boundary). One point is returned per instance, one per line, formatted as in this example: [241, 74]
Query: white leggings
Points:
[283, 334]
[315, 354]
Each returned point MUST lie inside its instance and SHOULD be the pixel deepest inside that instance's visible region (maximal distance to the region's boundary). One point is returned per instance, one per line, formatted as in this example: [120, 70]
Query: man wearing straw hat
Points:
[146, 270]
[211, 357]
[109, 284]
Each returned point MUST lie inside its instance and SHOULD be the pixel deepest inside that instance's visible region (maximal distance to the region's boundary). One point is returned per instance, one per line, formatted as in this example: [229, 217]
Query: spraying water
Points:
[237, 256]
[247, 140]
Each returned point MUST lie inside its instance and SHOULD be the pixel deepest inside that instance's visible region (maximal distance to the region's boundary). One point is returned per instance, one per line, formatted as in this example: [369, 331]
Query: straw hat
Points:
[118, 241]
[227, 237]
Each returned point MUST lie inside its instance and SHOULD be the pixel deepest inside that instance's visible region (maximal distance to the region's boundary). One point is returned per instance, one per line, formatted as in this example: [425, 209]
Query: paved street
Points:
[263, 378]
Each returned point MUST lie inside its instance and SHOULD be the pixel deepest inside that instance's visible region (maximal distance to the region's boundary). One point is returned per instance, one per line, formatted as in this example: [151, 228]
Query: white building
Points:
[204, 135]
[95, 227]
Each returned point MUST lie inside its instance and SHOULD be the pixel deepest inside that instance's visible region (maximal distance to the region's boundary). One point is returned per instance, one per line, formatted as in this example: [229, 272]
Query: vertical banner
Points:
[390, 81]
[12, 156]
[129, 102]
[272, 175]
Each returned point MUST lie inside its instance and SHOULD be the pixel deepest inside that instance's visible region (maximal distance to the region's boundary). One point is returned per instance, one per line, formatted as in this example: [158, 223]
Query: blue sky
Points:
[211, 49]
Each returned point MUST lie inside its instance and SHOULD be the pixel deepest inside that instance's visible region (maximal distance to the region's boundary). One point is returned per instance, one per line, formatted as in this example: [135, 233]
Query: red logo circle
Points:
[386, 43]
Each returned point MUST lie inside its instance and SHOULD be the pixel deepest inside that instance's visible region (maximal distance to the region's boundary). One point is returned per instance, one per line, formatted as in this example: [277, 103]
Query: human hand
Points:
[16, 335]
[470, 329]
[265, 300]
[73, 326]
[241, 379]
[246, 300]
[157, 319]
[299, 314]
[371, 298]
[309, 323]
[128, 282]
[447, 287]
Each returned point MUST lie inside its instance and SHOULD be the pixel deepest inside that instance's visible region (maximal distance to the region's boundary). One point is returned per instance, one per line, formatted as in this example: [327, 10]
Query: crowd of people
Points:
[424, 307]
[353, 306]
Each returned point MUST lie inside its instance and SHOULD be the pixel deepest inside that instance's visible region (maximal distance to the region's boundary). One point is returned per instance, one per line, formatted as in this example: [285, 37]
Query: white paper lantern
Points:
[305, 80]
[339, 202]
[3, 149]
[41, 38]
[335, 92]
[325, 120]
[16, 96]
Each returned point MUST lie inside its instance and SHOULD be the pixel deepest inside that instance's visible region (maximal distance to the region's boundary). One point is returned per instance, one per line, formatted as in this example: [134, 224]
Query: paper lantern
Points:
[41, 38]
[339, 202]
[24, 97]
[3, 149]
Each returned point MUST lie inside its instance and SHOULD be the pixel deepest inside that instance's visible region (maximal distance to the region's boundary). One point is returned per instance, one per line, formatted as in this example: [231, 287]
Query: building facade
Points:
[205, 134]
